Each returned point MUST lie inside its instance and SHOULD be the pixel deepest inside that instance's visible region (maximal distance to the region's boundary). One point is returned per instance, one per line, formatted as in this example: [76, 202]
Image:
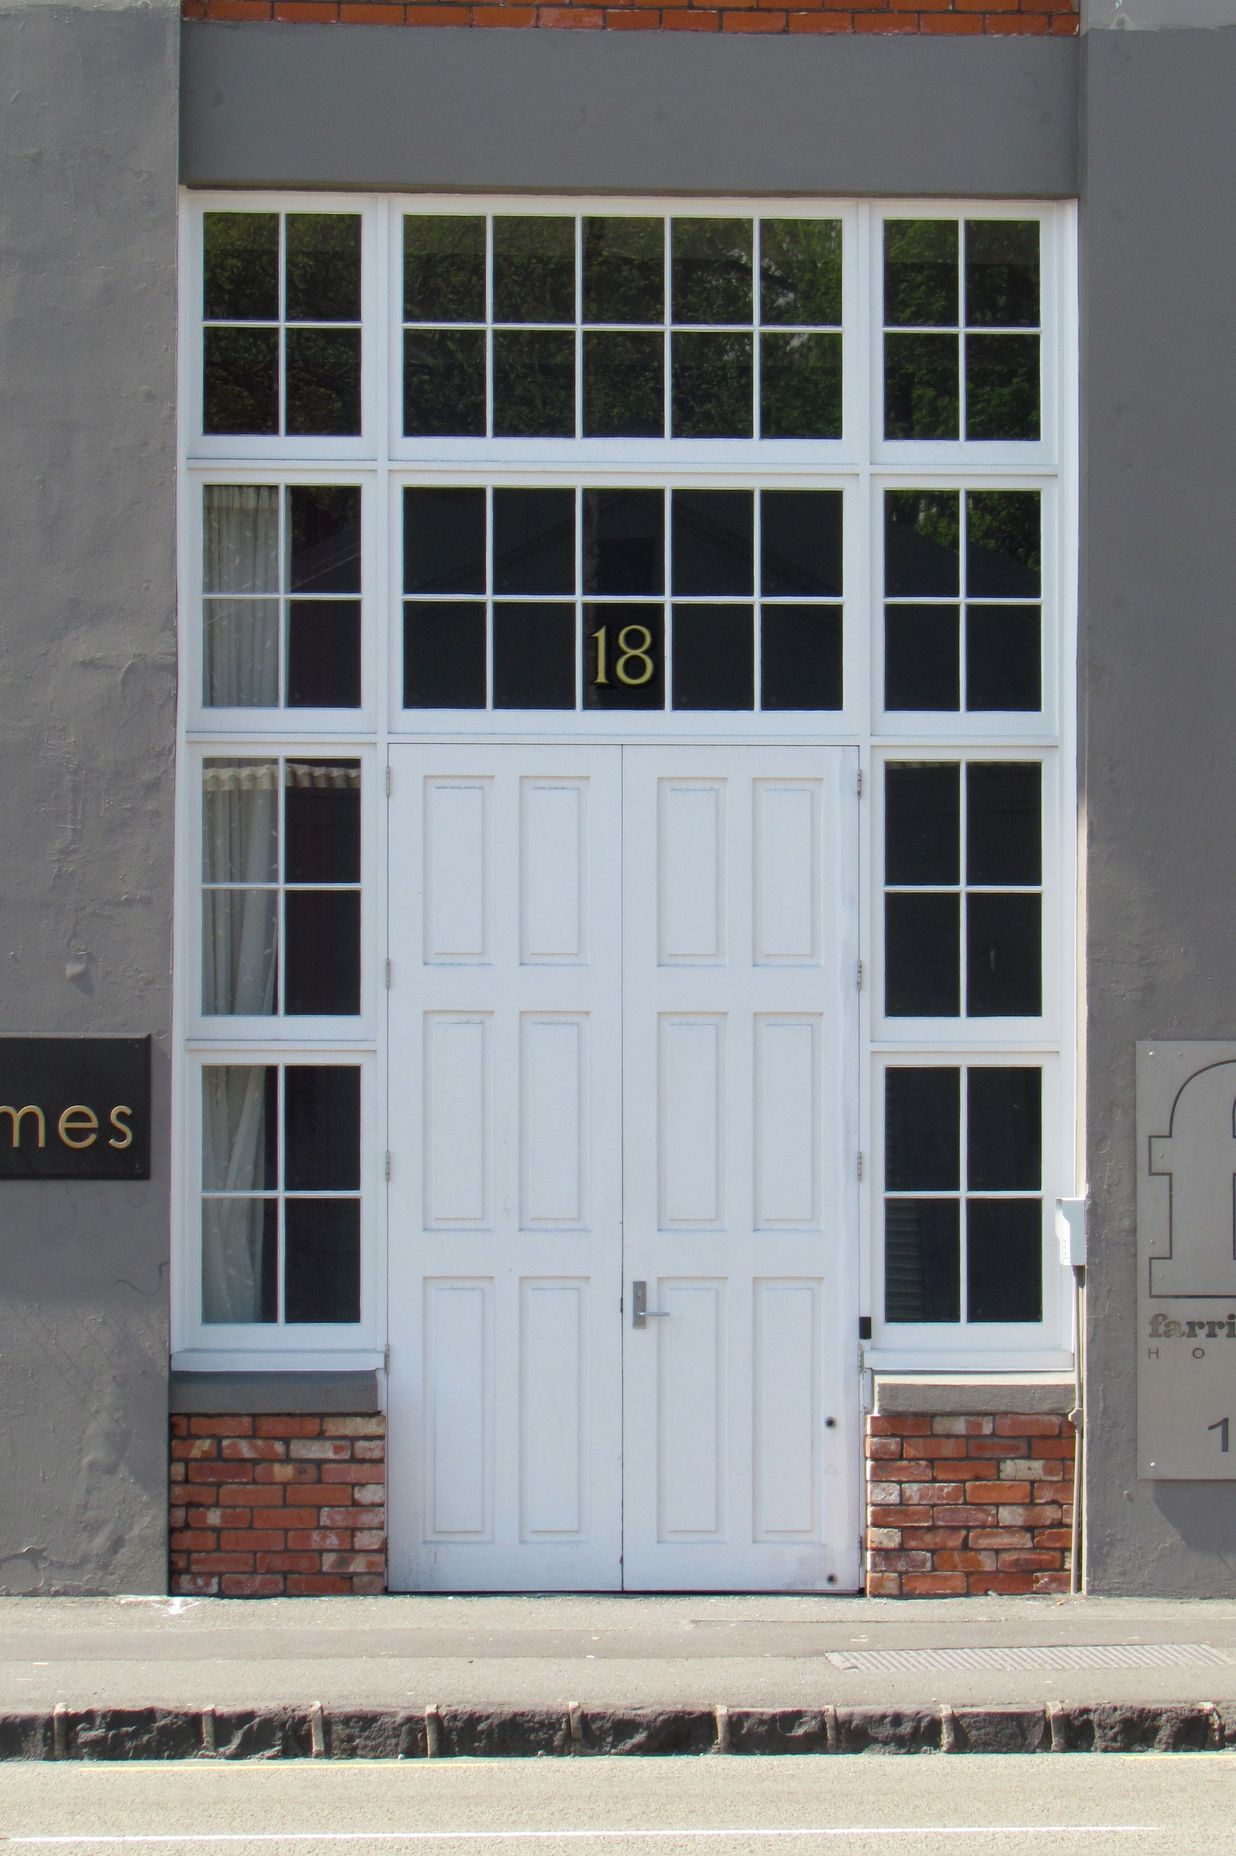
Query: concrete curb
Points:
[318, 1732]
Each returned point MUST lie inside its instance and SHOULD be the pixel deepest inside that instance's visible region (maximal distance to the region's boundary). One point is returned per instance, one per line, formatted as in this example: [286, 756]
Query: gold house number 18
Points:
[633, 665]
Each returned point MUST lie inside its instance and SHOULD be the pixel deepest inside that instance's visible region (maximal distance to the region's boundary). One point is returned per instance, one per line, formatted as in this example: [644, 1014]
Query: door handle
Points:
[641, 1314]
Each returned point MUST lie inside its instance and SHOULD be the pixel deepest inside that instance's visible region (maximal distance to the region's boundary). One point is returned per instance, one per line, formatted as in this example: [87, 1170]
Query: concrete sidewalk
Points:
[142, 1677]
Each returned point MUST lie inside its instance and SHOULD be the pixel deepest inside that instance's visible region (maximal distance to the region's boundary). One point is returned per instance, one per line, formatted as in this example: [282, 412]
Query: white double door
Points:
[622, 1065]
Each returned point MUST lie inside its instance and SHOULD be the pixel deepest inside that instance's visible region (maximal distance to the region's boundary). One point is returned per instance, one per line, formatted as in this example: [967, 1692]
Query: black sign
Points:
[74, 1108]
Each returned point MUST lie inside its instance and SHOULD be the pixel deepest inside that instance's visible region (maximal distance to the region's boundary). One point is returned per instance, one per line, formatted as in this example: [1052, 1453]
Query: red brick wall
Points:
[262, 1507]
[968, 1505]
[931, 16]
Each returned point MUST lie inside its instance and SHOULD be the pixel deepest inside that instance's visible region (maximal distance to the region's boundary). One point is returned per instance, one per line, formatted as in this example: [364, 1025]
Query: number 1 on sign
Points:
[1222, 1425]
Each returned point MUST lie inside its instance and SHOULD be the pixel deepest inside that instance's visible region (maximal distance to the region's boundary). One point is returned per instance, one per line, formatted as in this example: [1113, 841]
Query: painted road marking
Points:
[202, 1841]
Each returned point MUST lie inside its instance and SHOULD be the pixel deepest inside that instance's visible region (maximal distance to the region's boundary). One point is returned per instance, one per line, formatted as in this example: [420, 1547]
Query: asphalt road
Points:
[1075, 1805]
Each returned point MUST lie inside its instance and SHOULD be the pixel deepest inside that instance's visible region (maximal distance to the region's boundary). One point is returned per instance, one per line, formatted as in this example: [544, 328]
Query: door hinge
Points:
[386, 1360]
[389, 781]
[388, 1164]
[859, 782]
[859, 976]
[388, 976]
[860, 1165]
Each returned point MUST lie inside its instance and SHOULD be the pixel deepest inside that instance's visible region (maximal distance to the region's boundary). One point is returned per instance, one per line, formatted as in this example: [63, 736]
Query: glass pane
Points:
[922, 538]
[444, 541]
[240, 951]
[921, 956]
[1003, 658]
[1004, 961]
[922, 1130]
[713, 541]
[534, 656]
[534, 384]
[1003, 544]
[1002, 272]
[325, 538]
[323, 267]
[241, 647]
[443, 655]
[323, 382]
[444, 383]
[1004, 833]
[921, 395]
[1002, 386]
[800, 386]
[321, 1132]
[240, 1258]
[240, 1127]
[443, 268]
[711, 385]
[324, 654]
[800, 271]
[322, 1268]
[534, 269]
[240, 821]
[322, 821]
[240, 538]
[800, 660]
[240, 382]
[624, 385]
[624, 541]
[922, 658]
[624, 270]
[534, 541]
[922, 817]
[1004, 1135]
[712, 275]
[241, 262]
[322, 958]
[624, 657]
[1004, 1260]
[922, 1260]
[920, 273]
[714, 657]
[800, 542]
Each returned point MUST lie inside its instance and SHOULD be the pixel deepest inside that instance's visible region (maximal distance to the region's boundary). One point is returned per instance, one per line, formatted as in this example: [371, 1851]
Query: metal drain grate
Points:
[1041, 1656]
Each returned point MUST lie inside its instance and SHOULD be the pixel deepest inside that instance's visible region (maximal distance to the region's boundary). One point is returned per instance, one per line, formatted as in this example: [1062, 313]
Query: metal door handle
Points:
[640, 1311]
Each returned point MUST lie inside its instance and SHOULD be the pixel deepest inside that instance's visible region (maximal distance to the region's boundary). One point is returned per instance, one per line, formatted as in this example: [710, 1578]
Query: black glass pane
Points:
[240, 380]
[326, 522]
[624, 657]
[922, 1260]
[921, 956]
[624, 385]
[800, 542]
[534, 541]
[1004, 1260]
[1002, 386]
[322, 965]
[321, 1279]
[714, 657]
[922, 544]
[922, 1130]
[1004, 960]
[922, 658]
[534, 656]
[443, 655]
[922, 824]
[711, 267]
[323, 257]
[324, 654]
[1003, 658]
[534, 270]
[1004, 558]
[241, 254]
[921, 398]
[624, 541]
[711, 384]
[800, 271]
[1004, 1132]
[1002, 272]
[920, 273]
[321, 800]
[534, 384]
[1004, 831]
[443, 268]
[323, 382]
[800, 658]
[444, 541]
[800, 386]
[444, 383]
[321, 1131]
[713, 541]
[624, 270]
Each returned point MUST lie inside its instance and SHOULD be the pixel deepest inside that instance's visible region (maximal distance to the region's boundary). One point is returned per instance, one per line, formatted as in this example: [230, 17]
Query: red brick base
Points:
[968, 1505]
[263, 1507]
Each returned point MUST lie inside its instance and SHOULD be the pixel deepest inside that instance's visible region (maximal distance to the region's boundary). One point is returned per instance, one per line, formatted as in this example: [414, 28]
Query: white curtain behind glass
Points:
[240, 825]
[241, 556]
[233, 1160]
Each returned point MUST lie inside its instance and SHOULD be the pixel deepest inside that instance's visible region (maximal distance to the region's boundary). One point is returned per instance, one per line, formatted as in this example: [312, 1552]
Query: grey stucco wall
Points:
[1156, 15]
[87, 513]
[1158, 673]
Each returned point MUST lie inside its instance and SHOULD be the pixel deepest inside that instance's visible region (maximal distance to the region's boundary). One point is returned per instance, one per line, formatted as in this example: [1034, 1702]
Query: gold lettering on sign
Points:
[78, 1120]
[18, 1115]
[118, 1119]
